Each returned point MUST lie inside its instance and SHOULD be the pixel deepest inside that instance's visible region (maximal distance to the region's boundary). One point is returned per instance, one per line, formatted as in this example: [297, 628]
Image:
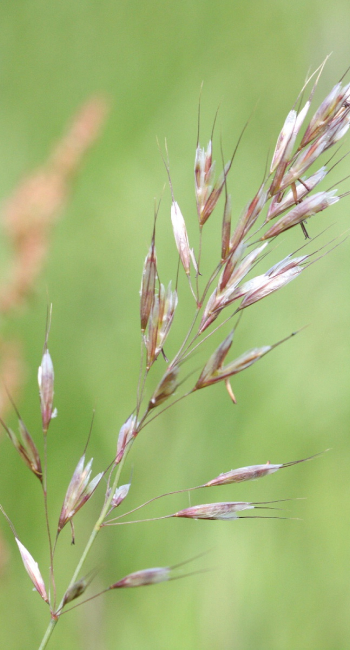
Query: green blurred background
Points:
[275, 585]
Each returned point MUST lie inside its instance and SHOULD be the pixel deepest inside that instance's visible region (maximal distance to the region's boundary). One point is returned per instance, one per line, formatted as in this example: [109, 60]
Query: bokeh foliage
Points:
[276, 585]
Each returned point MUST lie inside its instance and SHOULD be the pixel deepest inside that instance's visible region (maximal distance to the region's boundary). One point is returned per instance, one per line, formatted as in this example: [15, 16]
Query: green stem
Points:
[44, 486]
[85, 553]
[47, 634]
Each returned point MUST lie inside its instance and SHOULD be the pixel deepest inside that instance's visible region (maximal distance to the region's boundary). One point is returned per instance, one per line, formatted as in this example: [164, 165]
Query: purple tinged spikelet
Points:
[261, 286]
[46, 389]
[214, 196]
[204, 168]
[181, 237]
[285, 145]
[254, 208]
[126, 436]
[287, 263]
[32, 457]
[249, 473]
[340, 127]
[304, 160]
[324, 114]
[252, 472]
[227, 292]
[160, 322]
[151, 336]
[307, 208]
[301, 116]
[238, 273]
[225, 510]
[143, 578]
[307, 185]
[26, 449]
[276, 277]
[226, 229]
[120, 494]
[75, 591]
[33, 570]
[79, 491]
[231, 264]
[244, 361]
[207, 195]
[211, 311]
[166, 315]
[249, 217]
[213, 373]
[283, 140]
[166, 387]
[213, 366]
[148, 284]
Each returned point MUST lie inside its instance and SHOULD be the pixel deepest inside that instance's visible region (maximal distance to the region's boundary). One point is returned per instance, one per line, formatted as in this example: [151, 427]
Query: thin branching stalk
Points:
[96, 529]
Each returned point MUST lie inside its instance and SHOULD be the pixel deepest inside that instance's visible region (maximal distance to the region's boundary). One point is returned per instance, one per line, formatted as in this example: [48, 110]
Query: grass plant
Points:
[288, 197]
